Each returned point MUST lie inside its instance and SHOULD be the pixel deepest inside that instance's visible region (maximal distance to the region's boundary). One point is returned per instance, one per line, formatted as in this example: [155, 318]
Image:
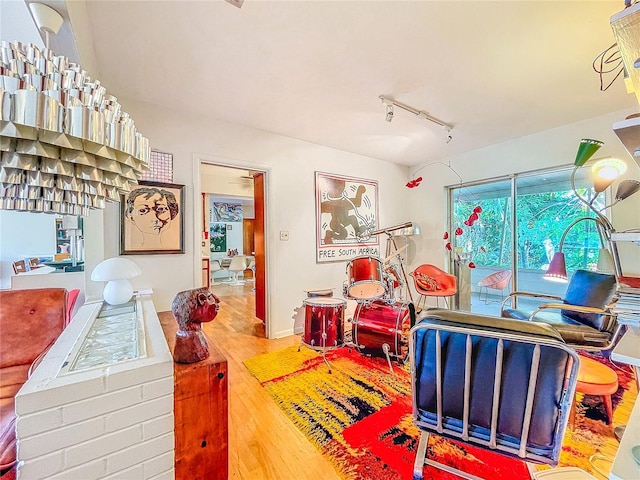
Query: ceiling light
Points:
[67, 146]
[389, 116]
[390, 103]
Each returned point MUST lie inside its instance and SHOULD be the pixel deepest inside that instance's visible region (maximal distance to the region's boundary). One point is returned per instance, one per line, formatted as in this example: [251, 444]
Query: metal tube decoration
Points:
[66, 145]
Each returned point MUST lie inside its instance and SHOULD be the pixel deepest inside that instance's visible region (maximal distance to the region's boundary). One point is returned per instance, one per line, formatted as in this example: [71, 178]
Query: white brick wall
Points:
[109, 422]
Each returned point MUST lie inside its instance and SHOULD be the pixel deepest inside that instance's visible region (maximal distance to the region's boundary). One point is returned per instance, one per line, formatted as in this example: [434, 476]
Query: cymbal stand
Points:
[391, 242]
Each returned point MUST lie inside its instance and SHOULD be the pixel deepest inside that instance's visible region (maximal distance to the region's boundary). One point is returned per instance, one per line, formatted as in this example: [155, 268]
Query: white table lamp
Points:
[116, 272]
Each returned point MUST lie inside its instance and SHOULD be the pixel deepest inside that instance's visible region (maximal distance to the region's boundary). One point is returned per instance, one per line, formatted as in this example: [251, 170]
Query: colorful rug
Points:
[359, 418]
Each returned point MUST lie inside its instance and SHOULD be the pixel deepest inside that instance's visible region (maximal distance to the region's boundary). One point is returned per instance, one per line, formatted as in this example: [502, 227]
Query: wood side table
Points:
[594, 378]
[200, 412]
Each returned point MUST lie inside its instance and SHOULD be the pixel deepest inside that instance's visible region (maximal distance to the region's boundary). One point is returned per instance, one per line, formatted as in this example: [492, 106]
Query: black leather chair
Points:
[583, 317]
[498, 384]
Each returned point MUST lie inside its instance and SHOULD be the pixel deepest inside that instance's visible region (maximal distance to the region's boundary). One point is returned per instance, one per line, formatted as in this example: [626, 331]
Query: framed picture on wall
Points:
[152, 219]
[346, 214]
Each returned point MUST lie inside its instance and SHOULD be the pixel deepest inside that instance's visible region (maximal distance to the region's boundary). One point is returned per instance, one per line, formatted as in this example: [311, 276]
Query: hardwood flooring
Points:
[263, 443]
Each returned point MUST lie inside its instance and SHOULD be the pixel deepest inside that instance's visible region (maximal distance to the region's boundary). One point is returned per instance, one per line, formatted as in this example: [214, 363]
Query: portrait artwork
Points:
[152, 219]
[347, 213]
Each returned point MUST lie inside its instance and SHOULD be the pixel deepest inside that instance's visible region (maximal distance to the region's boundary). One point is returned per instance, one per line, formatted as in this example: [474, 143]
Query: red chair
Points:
[430, 281]
[496, 281]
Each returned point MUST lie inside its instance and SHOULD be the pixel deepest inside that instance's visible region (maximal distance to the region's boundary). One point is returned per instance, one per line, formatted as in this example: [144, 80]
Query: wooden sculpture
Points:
[190, 309]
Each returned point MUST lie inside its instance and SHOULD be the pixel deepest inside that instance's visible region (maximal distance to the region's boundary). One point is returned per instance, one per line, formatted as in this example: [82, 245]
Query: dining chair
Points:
[238, 265]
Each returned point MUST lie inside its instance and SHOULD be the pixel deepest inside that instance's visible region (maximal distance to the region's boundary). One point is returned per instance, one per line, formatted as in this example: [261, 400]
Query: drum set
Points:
[381, 321]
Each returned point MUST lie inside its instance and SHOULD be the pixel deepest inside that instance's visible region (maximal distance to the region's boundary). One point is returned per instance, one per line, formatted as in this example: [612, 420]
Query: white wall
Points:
[290, 204]
[23, 235]
[546, 149]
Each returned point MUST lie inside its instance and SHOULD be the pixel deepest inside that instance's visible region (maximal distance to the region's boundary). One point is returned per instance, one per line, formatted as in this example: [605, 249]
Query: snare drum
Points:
[365, 280]
[324, 321]
[380, 323]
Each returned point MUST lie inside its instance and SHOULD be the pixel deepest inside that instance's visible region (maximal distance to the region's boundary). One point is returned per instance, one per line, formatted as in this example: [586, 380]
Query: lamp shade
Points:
[586, 150]
[626, 188]
[116, 272]
[557, 271]
[605, 261]
[605, 171]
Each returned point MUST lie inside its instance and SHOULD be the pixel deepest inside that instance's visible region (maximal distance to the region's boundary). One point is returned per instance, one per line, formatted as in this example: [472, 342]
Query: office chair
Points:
[497, 384]
[430, 281]
[583, 317]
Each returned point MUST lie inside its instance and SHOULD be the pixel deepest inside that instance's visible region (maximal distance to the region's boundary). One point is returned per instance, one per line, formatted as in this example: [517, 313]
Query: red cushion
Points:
[7, 433]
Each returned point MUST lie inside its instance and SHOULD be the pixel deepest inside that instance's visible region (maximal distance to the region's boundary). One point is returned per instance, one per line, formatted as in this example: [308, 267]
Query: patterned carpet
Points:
[359, 418]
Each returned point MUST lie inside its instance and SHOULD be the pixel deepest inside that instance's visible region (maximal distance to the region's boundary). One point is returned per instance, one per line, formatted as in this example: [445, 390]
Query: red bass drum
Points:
[380, 324]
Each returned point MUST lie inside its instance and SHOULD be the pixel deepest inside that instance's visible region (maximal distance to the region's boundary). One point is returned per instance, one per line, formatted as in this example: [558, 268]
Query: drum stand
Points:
[391, 242]
[322, 349]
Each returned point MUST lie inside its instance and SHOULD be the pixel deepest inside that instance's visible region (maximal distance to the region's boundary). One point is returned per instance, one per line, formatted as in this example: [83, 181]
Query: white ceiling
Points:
[314, 70]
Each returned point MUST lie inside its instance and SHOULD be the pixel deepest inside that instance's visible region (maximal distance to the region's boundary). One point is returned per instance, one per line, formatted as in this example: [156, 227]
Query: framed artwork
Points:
[152, 219]
[218, 237]
[346, 214]
[226, 212]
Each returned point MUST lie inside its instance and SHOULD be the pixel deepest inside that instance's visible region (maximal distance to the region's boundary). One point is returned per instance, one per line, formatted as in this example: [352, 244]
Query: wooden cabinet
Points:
[201, 413]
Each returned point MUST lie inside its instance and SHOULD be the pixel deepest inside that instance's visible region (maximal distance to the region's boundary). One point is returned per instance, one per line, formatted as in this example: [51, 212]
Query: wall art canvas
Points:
[226, 212]
[346, 214]
[218, 237]
[152, 219]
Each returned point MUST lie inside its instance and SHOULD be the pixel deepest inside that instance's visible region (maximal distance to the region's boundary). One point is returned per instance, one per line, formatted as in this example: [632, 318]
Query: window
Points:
[527, 214]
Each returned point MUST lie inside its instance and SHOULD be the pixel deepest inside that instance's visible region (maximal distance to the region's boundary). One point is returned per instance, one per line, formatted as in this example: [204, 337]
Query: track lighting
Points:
[419, 113]
[389, 116]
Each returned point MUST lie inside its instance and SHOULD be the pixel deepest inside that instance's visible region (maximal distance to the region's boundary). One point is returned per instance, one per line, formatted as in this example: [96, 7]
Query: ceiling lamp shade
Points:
[586, 150]
[67, 146]
[117, 272]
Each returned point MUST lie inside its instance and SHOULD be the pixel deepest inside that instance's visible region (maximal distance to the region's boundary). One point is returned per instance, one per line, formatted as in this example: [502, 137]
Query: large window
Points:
[526, 214]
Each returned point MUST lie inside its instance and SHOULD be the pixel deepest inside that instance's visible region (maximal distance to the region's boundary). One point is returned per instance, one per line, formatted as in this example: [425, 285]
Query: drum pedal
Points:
[385, 349]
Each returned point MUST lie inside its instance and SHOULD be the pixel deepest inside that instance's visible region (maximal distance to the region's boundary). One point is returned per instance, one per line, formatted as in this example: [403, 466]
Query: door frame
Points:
[199, 159]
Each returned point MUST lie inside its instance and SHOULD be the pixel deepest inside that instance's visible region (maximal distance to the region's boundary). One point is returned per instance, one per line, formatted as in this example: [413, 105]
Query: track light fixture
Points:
[390, 103]
[389, 116]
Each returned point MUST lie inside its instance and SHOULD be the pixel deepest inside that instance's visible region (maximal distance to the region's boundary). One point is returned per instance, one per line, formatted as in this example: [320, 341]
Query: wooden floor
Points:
[263, 443]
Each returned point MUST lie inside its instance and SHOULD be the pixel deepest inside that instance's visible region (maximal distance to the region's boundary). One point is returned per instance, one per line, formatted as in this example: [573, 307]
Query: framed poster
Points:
[218, 237]
[152, 219]
[346, 214]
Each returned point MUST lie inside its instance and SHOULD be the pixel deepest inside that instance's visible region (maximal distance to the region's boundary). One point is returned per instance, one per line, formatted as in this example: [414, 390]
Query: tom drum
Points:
[324, 322]
[364, 279]
[380, 324]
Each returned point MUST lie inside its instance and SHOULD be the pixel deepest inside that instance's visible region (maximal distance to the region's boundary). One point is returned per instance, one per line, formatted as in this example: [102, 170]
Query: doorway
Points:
[232, 227]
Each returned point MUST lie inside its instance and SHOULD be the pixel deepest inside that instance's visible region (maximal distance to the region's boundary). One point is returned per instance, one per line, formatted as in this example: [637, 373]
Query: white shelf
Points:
[628, 132]
[626, 236]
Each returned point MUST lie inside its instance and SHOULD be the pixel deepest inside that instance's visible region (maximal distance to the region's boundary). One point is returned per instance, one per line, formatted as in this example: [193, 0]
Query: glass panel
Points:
[482, 228]
[481, 243]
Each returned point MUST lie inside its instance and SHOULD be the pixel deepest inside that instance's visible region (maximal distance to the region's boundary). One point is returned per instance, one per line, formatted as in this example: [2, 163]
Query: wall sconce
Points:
[117, 272]
[67, 146]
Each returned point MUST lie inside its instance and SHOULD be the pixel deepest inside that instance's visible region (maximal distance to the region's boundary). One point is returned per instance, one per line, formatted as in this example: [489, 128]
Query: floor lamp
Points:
[604, 171]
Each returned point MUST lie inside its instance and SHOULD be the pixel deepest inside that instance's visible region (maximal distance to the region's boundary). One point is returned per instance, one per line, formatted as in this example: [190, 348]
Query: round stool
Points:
[594, 378]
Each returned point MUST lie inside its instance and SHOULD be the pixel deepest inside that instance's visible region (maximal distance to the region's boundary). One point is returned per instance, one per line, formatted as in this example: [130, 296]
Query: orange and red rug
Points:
[359, 417]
